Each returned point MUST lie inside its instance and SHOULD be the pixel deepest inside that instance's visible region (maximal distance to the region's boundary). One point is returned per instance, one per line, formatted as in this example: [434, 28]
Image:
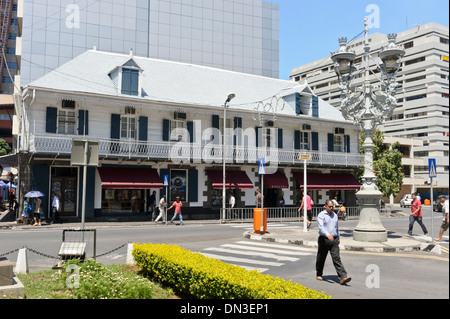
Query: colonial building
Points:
[154, 118]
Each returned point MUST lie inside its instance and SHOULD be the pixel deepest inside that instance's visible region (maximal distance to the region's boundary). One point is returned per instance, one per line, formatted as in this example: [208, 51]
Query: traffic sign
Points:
[262, 166]
[432, 167]
[166, 180]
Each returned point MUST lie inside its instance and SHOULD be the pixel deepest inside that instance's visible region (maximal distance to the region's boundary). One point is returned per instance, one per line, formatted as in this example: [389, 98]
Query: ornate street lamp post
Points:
[369, 106]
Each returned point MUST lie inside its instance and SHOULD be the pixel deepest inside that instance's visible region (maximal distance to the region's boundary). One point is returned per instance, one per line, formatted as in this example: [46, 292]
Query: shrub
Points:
[197, 276]
[98, 282]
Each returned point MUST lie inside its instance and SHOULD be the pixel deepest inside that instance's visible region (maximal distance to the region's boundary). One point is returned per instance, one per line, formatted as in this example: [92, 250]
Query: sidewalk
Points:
[396, 242]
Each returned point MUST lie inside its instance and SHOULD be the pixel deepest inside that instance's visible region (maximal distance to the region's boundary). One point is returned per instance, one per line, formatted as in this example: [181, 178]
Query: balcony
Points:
[179, 152]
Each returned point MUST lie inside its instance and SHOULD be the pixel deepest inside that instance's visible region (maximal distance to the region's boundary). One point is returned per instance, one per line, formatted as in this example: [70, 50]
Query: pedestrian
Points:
[152, 206]
[232, 201]
[37, 211]
[55, 208]
[335, 205]
[309, 204]
[329, 240]
[445, 210]
[258, 198]
[162, 209]
[177, 204]
[26, 210]
[416, 215]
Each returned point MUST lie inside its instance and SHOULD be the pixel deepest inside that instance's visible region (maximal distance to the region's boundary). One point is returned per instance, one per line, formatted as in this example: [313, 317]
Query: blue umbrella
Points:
[34, 194]
[9, 185]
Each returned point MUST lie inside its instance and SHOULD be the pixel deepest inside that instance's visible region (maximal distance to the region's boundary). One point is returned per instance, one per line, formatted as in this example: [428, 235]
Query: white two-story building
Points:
[154, 118]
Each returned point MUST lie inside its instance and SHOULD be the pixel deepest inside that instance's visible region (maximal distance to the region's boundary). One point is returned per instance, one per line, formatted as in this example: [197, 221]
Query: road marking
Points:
[243, 260]
[267, 250]
[253, 253]
[393, 255]
[278, 246]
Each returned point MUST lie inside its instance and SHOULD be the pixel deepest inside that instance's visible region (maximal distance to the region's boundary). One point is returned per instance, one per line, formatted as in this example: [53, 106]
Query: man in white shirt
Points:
[55, 208]
[232, 201]
[162, 209]
[445, 210]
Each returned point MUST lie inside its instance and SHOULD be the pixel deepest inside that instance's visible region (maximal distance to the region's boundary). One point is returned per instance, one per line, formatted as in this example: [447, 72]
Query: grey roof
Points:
[174, 82]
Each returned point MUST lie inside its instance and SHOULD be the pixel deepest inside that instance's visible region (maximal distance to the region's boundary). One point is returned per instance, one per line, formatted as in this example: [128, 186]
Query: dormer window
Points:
[130, 81]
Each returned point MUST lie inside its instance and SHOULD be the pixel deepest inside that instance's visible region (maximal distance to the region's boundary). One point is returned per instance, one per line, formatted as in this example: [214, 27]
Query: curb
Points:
[345, 247]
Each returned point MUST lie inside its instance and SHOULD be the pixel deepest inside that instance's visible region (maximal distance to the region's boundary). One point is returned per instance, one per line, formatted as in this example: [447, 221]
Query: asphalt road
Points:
[416, 275]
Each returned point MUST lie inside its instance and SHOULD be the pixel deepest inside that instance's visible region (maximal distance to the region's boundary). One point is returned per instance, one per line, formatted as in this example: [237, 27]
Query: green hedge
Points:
[197, 276]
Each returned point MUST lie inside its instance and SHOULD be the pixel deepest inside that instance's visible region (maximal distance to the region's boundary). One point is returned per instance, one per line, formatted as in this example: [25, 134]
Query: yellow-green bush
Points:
[197, 276]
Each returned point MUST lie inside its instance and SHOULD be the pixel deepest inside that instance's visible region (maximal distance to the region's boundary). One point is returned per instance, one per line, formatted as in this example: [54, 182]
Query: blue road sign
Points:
[432, 168]
[262, 166]
[166, 180]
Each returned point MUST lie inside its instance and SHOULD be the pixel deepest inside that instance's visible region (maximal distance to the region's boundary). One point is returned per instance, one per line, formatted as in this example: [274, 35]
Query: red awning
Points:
[329, 181]
[129, 178]
[277, 180]
[233, 180]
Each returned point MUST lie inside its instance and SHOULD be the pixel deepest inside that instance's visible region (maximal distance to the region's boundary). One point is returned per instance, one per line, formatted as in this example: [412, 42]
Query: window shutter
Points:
[330, 142]
[280, 138]
[193, 185]
[237, 139]
[216, 125]
[83, 122]
[258, 131]
[115, 126]
[143, 128]
[190, 128]
[347, 143]
[130, 82]
[166, 130]
[51, 121]
[315, 141]
[297, 140]
[315, 106]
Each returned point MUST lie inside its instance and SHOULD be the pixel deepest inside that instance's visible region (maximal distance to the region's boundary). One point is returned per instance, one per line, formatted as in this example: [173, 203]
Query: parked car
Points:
[437, 206]
[406, 200]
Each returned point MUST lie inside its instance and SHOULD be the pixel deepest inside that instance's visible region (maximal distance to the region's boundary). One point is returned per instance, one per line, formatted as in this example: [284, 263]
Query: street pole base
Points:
[370, 236]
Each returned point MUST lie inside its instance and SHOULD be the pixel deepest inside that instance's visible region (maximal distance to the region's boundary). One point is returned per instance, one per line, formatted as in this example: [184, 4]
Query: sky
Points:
[309, 30]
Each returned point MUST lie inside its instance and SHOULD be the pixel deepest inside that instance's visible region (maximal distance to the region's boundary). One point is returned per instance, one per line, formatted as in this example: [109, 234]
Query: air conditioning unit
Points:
[306, 127]
[339, 131]
[179, 116]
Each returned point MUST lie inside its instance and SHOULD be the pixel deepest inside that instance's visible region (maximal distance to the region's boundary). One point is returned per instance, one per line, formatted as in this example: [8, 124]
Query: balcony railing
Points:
[190, 152]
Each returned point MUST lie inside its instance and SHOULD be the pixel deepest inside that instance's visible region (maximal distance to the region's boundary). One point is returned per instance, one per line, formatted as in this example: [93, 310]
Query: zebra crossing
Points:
[257, 256]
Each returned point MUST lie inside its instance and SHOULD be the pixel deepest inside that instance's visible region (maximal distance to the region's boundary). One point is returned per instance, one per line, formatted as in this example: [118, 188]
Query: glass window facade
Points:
[238, 35]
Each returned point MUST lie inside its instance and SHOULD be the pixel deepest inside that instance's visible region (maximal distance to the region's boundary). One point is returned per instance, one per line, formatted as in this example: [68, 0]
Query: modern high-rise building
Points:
[423, 110]
[9, 31]
[237, 35]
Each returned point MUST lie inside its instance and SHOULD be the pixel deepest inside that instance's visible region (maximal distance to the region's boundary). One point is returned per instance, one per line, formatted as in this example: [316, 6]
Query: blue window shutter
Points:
[51, 121]
[143, 128]
[166, 130]
[258, 131]
[298, 110]
[330, 142]
[190, 129]
[193, 185]
[237, 139]
[115, 126]
[280, 138]
[130, 82]
[315, 141]
[83, 122]
[216, 125]
[347, 143]
[315, 106]
[297, 145]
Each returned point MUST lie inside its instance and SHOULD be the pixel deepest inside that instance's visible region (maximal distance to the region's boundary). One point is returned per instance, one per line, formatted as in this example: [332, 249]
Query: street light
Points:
[225, 106]
[368, 106]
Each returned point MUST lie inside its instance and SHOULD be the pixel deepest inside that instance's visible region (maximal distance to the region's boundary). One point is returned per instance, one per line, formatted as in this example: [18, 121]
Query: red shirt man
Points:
[416, 207]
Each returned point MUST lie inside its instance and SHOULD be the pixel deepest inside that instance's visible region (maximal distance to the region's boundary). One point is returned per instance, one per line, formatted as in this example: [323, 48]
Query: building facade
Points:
[9, 31]
[154, 118]
[234, 35]
[423, 111]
